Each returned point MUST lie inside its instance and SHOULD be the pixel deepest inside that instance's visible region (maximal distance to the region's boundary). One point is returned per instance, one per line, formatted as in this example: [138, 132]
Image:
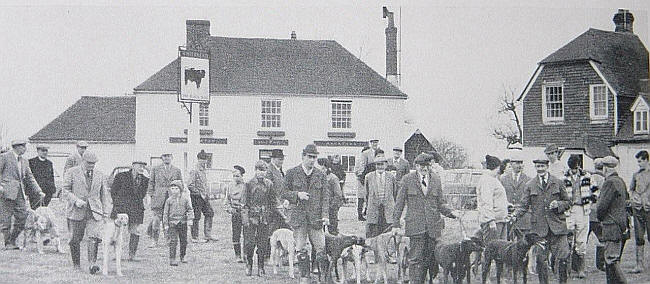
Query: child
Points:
[233, 207]
[177, 215]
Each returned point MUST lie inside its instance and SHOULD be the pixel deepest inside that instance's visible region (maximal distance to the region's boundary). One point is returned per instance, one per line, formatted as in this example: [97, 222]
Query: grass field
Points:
[210, 262]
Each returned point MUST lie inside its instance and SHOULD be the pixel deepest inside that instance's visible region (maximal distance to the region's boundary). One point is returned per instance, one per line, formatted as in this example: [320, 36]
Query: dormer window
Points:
[640, 111]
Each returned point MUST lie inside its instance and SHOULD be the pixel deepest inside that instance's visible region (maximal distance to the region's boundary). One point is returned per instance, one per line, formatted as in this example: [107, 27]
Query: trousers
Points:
[12, 208]
[421, 259]
[201, 206]
[177, 233]
[256, 236]
[578, 223]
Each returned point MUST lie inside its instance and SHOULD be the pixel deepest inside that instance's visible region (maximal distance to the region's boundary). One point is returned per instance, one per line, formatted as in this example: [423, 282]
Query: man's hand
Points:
[146, 201]
[79, 203]
[303, 195]
[42, 194]
[190, 223]
[493, 225]
[394, 231]
[554, 204]
[326, 221]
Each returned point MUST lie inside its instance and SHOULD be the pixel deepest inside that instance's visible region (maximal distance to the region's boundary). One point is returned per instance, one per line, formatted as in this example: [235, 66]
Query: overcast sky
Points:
[456, 60]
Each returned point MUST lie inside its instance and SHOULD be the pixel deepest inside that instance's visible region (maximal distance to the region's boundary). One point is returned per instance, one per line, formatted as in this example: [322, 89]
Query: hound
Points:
[40, 226]
[282, 244]
[113, 237]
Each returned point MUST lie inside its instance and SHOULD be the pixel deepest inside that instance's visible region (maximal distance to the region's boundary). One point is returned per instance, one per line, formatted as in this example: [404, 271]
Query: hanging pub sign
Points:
[195, 76]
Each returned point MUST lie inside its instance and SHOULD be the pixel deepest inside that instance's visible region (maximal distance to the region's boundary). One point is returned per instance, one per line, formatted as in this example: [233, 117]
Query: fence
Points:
[219, 179]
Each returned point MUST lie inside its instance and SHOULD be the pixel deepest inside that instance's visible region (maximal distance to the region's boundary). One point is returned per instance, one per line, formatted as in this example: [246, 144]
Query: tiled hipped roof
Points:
[99, 119]
[280, 66]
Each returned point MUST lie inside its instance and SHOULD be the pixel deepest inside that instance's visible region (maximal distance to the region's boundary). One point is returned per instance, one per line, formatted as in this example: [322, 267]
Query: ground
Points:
[210, 262]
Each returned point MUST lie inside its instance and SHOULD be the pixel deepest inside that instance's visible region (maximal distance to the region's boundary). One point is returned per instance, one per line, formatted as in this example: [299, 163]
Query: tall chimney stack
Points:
[198, 32]
[623, 21]
[391, 49]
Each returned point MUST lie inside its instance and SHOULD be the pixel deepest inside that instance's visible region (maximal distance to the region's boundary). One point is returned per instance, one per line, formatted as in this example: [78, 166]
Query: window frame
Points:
[545, 117]
[267, 119]
[641, 109]
[204, 114]
[337, 120]
[592, 102]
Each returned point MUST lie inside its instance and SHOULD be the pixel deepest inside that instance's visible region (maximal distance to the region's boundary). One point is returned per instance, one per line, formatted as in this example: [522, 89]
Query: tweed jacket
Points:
[14, 179]
[611, 208]
[402, 166]
[537, 200]
[159, 181]
[96, 194]
[373, 188]
[335, 192]
[515, 191]
[258, 201]
[128, 196]
[423, 212]
[72, 161]
[307, 212]
[198, 183]
[277, 178]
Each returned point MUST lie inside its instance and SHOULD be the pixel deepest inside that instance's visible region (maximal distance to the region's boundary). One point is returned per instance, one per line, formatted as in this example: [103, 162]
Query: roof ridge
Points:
[266, 38]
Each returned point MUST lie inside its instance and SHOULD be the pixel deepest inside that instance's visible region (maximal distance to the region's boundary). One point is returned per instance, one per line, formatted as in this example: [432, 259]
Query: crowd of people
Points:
[562, 205]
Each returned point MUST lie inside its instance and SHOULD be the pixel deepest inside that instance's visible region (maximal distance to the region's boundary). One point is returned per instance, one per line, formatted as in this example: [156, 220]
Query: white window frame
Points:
[340, 115]
[592, 102]
[546, 118]
[271, 116]
[640, 110]
[204, 114]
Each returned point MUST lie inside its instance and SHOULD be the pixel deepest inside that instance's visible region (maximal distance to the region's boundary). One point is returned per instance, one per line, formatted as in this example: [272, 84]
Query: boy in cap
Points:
[555, 167]
[43, 172]
[198, 186]
[492, 202]
[177, 215]
[160, 178]
[232, 201]
[76, 158]
[640, 202]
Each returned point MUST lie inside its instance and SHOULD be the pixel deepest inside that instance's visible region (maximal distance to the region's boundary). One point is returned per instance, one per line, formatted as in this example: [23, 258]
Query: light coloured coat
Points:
[10, 174]
[159, 182]
[97, 196]
[372, 189]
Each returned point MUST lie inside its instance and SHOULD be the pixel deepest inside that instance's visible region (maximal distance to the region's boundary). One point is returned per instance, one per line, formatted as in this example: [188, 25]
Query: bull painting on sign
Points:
[195, 77]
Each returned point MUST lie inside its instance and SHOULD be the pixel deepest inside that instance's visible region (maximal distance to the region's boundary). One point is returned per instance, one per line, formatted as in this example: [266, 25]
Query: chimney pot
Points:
[623, 20]
[198, 32]
[293, 34]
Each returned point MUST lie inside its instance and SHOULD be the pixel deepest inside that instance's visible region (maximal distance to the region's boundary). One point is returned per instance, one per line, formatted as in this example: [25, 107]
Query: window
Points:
[271, 113]
[341, 114]
[347, 162]
[265, 155]
[641, 120]
[553, 103]
[598, 99]
[204, 110]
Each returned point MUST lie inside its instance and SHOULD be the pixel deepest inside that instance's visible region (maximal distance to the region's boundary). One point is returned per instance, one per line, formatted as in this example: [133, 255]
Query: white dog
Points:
[113, 237]
[282, 244]
[355, 254]
[40, 227]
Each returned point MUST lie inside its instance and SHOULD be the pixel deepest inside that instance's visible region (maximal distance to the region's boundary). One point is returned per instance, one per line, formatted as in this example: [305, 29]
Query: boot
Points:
[562, 271]
[617, 274]
[609, 274]
[195, 230]
[237, 248]
[75, 253]
[133, 246]
[260, 266]
[303, 266]
[581, 266]
[93, 246]
[639, 260]
[172, 255]
[207, 230]
[249, 265]
[600, 258]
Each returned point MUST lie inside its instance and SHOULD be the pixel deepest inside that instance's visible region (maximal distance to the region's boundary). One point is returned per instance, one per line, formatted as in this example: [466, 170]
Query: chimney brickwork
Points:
[198, 33]
[624, 21]
[391, 48]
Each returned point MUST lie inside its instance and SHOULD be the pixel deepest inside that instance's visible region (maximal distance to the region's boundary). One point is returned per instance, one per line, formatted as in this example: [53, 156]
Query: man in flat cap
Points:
[514, 184]
[76, 158]
[199, 187]
[16, 183]
[381, 192]
[129, 191]
[365, 159]
[307, 192]
[546, 199]
[421, 194]
[611, 210]
[555, 167]
[89, 201]
[597, 180]
[492, 202]
[401, 164]
[44, 174]
[160, 179]
[640, 202]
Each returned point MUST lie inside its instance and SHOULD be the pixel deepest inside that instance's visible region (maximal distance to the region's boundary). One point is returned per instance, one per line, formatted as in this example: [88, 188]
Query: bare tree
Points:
[453, 155]
[508, 128]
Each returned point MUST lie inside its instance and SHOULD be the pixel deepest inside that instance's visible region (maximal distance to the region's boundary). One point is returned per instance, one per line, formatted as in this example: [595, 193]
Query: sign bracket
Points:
[188, 109]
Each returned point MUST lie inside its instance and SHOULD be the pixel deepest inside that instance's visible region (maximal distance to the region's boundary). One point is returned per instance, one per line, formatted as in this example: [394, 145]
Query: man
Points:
[555, 167]
[421, 193]
[578, 182]
[44, 174]
[335, 194]
[275, 174]
[307, 193]
[597, 180]
[611, 210]
[128, 192]
[75, 159]
[16, 182]
[492, 202]
[160, 179]
[435, 159]
[366, 158]
[232, 201]
[381, 190]
[89, 201]
[545, 197]
[360, 188]
[338, 170]
[640, 202]
[514, 184]
[400, 163]
[198, 186]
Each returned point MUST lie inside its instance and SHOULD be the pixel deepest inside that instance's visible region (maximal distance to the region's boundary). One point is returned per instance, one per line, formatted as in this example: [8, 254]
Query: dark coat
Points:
[611, 208]
[403, 167]
[258, 200]
[515, 191]
[536, 201]
[44, 174]
[128, 196]
[423, 211]
[338, 170]
[307, 212]
[277, 178]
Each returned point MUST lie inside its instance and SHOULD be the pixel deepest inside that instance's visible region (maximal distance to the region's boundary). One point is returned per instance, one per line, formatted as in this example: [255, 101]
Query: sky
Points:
[457, 58]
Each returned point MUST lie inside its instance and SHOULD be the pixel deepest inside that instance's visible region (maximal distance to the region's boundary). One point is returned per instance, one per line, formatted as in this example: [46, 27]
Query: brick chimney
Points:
[623, 21]
[391, 49]
[198, 32]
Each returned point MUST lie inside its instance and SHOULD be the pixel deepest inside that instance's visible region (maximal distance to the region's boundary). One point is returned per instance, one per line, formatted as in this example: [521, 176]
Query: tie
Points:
[424, 182]
[543, 182]
[20, 167]
[282, 172]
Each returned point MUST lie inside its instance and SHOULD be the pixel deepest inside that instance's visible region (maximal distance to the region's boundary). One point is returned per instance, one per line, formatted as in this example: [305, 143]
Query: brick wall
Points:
[577, 76]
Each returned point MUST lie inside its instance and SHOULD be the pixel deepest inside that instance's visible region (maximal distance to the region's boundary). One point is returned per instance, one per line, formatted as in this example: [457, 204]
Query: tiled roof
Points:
[101, 119]
[594, 147]
[280, 66]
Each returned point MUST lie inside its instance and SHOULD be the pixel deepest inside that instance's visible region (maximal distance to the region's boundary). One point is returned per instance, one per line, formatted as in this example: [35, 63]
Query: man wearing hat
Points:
[640, 203]
[275, 174]
[128, 192]
[307, 192]
[514, 183]
[160, 179]
[555, 167]
[16, 183]
[421, 194]
[381, 191]
[76, 158]
[401, 164]
[198, 186]
[366, 158]
[44, 174]
[492, 202]
[597, 180]
[613, 215]
[546, 199]
[89, 201]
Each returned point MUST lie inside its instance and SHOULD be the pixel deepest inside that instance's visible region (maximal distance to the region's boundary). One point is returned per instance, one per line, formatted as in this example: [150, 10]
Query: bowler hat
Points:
[165, 154]
[492, 162]
[541, 160]
[177, 183]
[422, 159]
[610, 162]
[82, 144]
[18, 142]
[90, 157]
[277, 153]
[42, 147]
[240, 169]
[550, 148]
[310, 149]
[202, 155]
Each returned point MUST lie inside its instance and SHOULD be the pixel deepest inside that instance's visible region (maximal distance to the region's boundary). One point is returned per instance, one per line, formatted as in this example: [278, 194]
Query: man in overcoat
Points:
[546, 199]
[613, 215]
[160, 179]
[400, 163]
[307, 193]
[514, 184]
[128, 192]
[381, 190]
[76, 158]
[44, 174]
[421, 193]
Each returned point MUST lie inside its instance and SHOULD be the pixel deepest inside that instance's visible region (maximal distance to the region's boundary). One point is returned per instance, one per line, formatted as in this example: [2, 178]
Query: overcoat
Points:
[515, 191]
[611, 208]
[277, 178]
[372, 187]
[43, 172]
[258, 201]
[402, 166]
[95, 194]
[306, 212]
[536, 200]
[10, 177]
[159, 182]
[128, 196]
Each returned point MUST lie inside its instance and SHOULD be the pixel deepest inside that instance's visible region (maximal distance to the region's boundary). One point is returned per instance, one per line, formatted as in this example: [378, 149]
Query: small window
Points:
[271, 110]
[204, 113]
[553, 103]
[347, 162]
[342, 114]
[265, 155]
[641, 121]
[598, 101]
[209, 163]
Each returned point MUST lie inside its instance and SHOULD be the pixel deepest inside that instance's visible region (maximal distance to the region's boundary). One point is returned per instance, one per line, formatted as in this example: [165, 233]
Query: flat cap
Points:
[374, 140]
[177, 183]
[422, 159]
[240, 169]
[380, 160]
[398, 149]
[166, 154]
[42, 147]
[90, 157]
[541, 160]
[610, 162]
[310, 149]
[82, 144]
[202, 155]
[18, 142]
[550, 148]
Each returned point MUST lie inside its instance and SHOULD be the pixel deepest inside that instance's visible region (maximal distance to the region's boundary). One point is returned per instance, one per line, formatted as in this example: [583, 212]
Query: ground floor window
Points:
[346, 160]
[265, 155]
